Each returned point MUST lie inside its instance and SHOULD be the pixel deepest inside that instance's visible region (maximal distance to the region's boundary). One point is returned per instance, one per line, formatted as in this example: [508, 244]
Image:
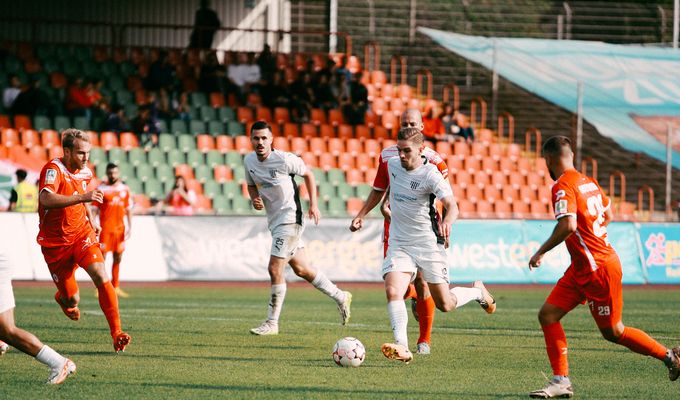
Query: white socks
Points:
[276, 302]
[399, 320]
[50, 357]
[465, 295]
[328, 288]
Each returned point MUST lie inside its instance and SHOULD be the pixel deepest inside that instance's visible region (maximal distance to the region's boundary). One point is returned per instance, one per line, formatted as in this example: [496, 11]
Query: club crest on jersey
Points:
[84, 186]
[50, 176]
[272, 173]
[414, 185]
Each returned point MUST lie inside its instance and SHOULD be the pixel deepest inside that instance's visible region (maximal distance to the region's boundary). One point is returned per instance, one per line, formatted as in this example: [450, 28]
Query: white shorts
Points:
[286, 240]
[431, 261]
[6, 293]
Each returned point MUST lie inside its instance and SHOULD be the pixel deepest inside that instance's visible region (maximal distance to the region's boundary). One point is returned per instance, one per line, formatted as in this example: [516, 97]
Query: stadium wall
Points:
[212, 248]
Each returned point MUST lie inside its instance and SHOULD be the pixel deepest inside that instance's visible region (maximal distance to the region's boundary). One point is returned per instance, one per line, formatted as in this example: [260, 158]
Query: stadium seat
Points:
[22, 122]
[244, 115]
[144, 172]
[239, 174]
[372, 147]
[540, 210]
[116, 155]
[226, 114]
[211, 189]
[455, 164]
[489, 165]
[263, 114]
[498, 179]
[291, 129]
[362, 132]
[345, 131]
[128, 140]
[317, 145]
[309, 130]
[155, 156]
[472, 164]
[205, 143]
[335, 117]
[216, 128]
[186, 142]
[473, 193]
[369, 175]
[336, 207]
[326, 131]
[136, 156]
[241, 205]
[344, 191]
[29, 137]
[443, 148]
[345, 161]
[484, 209]
[462, 178]
[127, 171]
[318, 116]
[516, 180]
[354, 177]
[217, 100]
[298, 145]
[524, 165]
[502, 209]
[222, 173]
[195, 158]
[97, 156]
[335, 176]
[381, 133]
[466, 208]
[281, 115]
[280, 143]
[327, 161]
[175, 157]
[235, 128]
[513, 151]
[166, 142]
[520, 209]
[184, 170]
[62, 122]
[108, 140]
[233, 159]
[492, 193]
[510, 194]
[224, 143]
[154, 189]
[38, 152]
[495, 151]
[364, 162]
[336, 146]
[177, 126]
[197, 127]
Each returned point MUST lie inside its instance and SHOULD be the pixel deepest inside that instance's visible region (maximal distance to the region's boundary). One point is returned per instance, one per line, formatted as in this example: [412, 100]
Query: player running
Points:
[422, 303]
[413, 246]
[60, 367]
[68, 236]
[270, 175]
[117, 204]
[583, 211]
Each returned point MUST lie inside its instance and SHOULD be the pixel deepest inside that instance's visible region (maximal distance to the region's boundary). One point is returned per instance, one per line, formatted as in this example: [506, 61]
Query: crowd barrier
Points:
[163, 248]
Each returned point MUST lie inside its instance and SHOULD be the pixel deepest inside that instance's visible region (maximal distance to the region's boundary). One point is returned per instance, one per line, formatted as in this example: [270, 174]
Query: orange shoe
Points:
[73, 312]
[488, 303]
[120, 341]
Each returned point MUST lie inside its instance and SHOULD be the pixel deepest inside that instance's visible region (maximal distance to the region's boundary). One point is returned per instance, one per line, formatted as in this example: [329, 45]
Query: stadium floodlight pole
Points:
[579, 121]
[669, 167]
[676, 22]
[494, 81]
[333, 25]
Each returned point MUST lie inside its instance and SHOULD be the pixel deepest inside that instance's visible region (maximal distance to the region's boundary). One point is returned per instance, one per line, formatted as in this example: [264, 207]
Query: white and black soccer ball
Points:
[349, 352]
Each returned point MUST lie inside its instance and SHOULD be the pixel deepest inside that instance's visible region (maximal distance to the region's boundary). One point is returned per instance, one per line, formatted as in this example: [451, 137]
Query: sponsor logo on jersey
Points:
[561, 207]
[588, 187]
[50, 176]
[414, 185]
[272, 173]
[84, 186]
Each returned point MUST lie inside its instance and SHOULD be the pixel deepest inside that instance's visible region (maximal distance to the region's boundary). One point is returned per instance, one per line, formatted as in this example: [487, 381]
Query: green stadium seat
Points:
[100, 171]
[131, 109]
[336, 207]
[136, 156]
[62, 122]
[198, 99]
[335, 176]
[221, 204]
[212, 189]
[108, 68]
[154, 189]
[231, 189]
[194, 113]
[233, 159]
[226, 114]
[155, 156]
[71, 68]
[127, 68]
[50, 65]
[178, 126]
[163, 125]
[81, 123]
[165, 173]
[326, 191]
[42, 77]
[144, 172]
[124, 97]
[195, 158]
[363, 190]
[167, 186]
[117, 155]
[135, 186]
[186, 142]
[239, 173]
[215, 128]
[166, 142]
[116, 83]
[319, 175]
[98, 156]
[176, 157]
[127, 171]
[197, 127]
[214, 157]
[345, 191]
[91, 69]
[208, 113]
[41, 122]
[241, 205]
[203, 173]
[235, 128]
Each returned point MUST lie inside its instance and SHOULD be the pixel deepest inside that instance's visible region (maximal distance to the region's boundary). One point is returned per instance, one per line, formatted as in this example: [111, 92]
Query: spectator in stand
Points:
[206, 23]
[456, 125]
[180, 199]
[161, 74]
[275, 93]
[211, 74]
[433, 128]
[243, 75]
[116, 120]
[24, 196]
[11, 92]
[181, 107]
[355, 110]
[98, 110]
[33, 101]
[78, 102]
[448, 118]
[267, 63]
[463, 128]
[302, 97]
[146, 127]
[340, 89]
[323, 93]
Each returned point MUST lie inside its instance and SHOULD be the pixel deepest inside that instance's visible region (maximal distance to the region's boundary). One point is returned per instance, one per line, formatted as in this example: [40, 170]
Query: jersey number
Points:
[596, 209]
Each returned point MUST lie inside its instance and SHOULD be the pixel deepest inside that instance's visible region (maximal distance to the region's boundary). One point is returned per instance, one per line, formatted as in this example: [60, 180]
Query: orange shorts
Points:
[603, 293]
[113, 241]
[63, 261]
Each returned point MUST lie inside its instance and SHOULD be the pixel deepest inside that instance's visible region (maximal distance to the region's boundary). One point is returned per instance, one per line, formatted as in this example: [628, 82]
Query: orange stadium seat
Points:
[318, 116]
[378, 78]
[291, 129]
[489, 165]
[222, 173]
[514, 151]
[534, 180]
[108, 140]
[404, 92]
[362, 132]
[335, 117]
[184, 170]
[480, 179]
[484, 136]
[309, 130]
[397, 106]
[443, 148]
[454, 163]
[310, 160]
[38, 152]
[466, 208]
[379, 106]
[540, 210]
[254, 99]
[244, 115]
[520, 209]
[388, 142]
[364, 161]
[516, 180]
[495, 151]
[472, 164]
[462, 178]
[326, 131]
[276, 130]
[390, 121]
[460, 149]
[281, 115]
[5, 122]
[281, 143]
[354, 205]
[336, 146]
[369, 175]
[10, 137]
[54, 152]
[58, 80]
[484, 208]
[50, 138]
[94, 138]
[224, 143]
[345, 131]
[263, 113]
[351, 145]
[22, 122]
[29, 138]
[372, 147]
[544, 194]
[317, 145]
[204, 143]
[498, 179]
[128, 140]
[510, 194]
[492, 193]
[506, 165]
[380, 132]
[524, 165]
[478, 150]
[354, 177]
[527, 194]
[541, 167]
[217, 100]
[203, 203]
[345, 161]
[242, 144]
[371, 119]
[298, 145]
[473, 193]
[502, 209]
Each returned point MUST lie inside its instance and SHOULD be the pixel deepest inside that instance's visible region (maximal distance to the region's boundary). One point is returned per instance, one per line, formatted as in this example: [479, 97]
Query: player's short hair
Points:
[69, 136]
[111, 166]
[21, 174]
[556, 145]
[409, 133]
[259, 125]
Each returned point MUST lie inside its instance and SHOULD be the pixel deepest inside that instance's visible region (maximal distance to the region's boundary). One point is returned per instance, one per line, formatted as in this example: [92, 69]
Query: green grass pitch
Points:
[193, 343]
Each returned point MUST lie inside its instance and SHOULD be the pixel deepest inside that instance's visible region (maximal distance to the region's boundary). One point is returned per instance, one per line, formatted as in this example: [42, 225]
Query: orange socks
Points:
[411, 293]
[108, 301]
[425, 308]
[641, 343]
[115, 269]
[556, 346]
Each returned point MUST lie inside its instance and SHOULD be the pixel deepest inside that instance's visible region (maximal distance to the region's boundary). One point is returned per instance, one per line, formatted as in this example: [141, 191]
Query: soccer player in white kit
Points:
[414, 185]
[60, 367]
[270, 175]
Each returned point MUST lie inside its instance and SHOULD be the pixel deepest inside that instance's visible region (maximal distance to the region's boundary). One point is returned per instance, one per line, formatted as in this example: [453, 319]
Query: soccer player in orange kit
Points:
[583, 211]
[116, 206]
[68, 236]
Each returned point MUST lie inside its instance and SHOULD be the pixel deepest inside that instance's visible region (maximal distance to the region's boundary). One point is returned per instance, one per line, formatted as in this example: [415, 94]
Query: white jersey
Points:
[275, 181]
[412, 195]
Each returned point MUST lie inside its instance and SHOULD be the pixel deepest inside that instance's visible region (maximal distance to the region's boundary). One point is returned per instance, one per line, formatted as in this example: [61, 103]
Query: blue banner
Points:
[661, 252]
[499, 251]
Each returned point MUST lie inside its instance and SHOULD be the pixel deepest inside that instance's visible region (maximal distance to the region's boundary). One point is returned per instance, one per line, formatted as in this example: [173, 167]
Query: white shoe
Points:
[488, 303]
[59, 375]
[267, 328]
[344, 307]
[397, 352]
[423, 348]
[554, 389]
[3, 347]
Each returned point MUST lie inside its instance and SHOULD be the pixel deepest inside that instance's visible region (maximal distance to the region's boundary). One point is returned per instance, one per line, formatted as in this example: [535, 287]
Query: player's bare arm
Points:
[450, 216]
[310, 182]
[53, 200]
[95, 226]
[385, 207]
[565, 227]
[128, 215]
[608, 217]
[371, 201]
[255, 198]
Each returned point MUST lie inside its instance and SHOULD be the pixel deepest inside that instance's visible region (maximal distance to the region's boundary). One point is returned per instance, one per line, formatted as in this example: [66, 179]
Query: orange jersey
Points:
[382, 179]
[112, 211]
[579, 196]
[63, 226]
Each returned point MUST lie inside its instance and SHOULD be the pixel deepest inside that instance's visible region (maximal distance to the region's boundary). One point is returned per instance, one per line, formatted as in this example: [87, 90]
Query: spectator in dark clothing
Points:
[146, 127]
[11, 92]
[302, 97]
[212, 74]
[161, 74]
[267, 63]
[206, 23]
[275, 93]
[33, 101]
[323, 93]
[355, 111]
[116, 120]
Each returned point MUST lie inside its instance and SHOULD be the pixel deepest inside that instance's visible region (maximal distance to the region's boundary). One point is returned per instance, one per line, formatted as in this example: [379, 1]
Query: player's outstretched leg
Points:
[72, 312]
[673, 364]
[554, 388]
[271, 325]
[487, 301]
[397, 352]
[464, 295]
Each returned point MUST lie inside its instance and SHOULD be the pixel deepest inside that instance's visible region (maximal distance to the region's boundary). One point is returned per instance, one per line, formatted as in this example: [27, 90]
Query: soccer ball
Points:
[349, 352]
[3, 348]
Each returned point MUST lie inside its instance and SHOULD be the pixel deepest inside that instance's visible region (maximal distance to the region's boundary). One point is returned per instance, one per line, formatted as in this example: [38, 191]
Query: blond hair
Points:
[69, 136]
